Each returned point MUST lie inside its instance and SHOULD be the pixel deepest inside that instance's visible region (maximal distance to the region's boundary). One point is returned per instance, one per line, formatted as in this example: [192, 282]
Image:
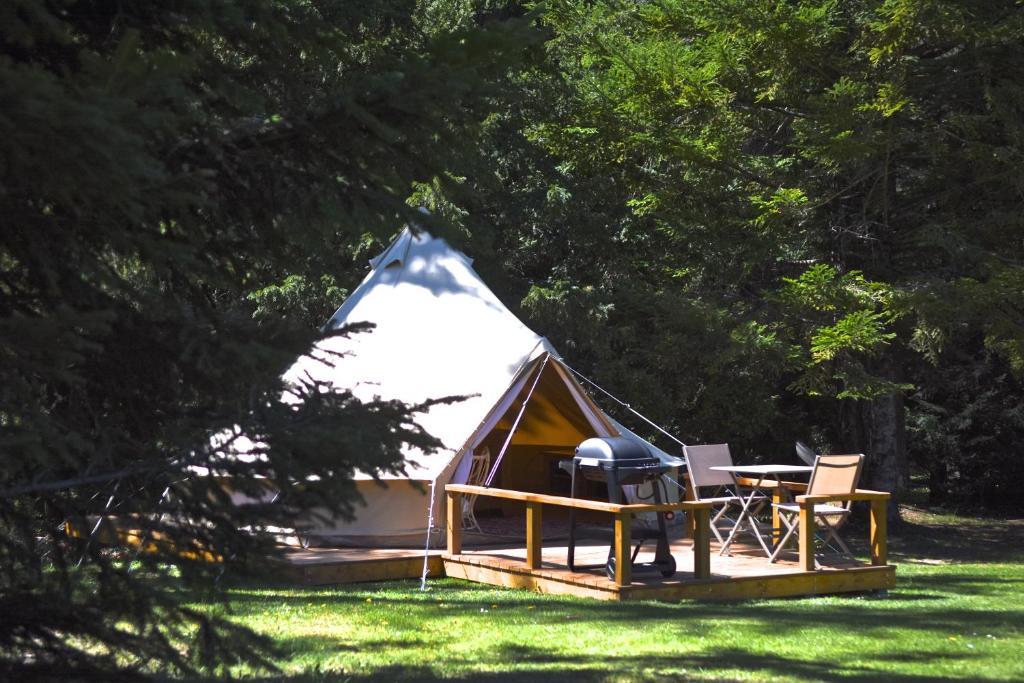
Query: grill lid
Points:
[614, 451]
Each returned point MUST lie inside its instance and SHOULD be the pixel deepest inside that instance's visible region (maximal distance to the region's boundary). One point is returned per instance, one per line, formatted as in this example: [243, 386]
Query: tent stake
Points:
[430, 528]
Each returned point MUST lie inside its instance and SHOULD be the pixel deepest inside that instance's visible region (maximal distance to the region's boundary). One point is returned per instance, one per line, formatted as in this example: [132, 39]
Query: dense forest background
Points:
[772, 220]
[760, 220]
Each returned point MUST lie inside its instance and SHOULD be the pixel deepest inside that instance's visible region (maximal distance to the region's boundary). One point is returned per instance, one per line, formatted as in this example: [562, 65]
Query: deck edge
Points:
[508, 574]
[376, 569]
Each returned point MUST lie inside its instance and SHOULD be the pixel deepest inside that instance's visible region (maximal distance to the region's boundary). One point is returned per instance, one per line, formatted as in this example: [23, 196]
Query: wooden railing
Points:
[878, 538]
[623, 515]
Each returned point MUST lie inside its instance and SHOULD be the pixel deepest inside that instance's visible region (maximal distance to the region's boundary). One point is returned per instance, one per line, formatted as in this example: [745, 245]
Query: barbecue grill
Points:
[619, 462]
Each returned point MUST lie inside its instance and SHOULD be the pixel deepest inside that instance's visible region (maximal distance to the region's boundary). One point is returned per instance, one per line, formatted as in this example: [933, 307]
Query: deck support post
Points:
[688, 495]
[807, 536]
[879, 532]
[623, 546]
[454, 522]
[701, 542]
[778, 496]
[534, 537]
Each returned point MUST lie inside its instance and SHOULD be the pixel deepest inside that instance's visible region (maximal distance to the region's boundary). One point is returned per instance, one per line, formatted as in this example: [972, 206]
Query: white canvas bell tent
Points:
[439, 331]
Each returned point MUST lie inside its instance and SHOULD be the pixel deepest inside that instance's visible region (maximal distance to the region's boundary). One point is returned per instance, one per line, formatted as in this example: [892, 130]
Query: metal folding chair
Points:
[720, 489]
[805, 453]
[832, 475]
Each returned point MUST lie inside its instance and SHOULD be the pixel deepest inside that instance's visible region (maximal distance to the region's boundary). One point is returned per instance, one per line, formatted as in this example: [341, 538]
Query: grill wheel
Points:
[667, 567]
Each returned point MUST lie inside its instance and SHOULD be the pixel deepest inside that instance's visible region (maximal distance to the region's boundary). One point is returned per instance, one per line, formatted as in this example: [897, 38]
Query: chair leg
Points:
[469, 522]
[831, 533]
[726, 545]
[791, 527]
[751, 513]
[842, 544]
[714, 524]
[759, 507]
[758, 536]
[823, 524]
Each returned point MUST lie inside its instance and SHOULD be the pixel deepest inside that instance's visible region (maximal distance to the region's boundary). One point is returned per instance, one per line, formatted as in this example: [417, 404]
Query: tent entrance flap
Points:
[555, 416]
[522, 378]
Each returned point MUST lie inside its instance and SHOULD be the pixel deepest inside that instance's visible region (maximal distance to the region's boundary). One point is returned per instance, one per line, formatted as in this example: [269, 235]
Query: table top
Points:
[763, 469]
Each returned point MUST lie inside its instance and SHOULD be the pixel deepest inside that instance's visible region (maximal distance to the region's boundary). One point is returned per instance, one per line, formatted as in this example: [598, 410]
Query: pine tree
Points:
[169, 170]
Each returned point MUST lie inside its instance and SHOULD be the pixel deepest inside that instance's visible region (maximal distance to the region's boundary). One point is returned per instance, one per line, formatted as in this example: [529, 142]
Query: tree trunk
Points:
[877, 428]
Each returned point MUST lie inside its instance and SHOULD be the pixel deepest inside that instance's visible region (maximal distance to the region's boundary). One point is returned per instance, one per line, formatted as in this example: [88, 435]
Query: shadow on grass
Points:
[295, 646]
[642, 669]
[962, 585]
[929, 627]
[975, 541]
[916, 608]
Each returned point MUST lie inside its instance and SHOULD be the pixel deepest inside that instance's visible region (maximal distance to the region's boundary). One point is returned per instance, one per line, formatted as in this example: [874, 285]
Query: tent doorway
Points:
[556, 418]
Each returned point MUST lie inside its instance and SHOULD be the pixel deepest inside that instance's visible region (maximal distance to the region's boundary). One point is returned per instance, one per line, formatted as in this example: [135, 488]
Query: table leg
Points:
[744, 513]
[754, 526]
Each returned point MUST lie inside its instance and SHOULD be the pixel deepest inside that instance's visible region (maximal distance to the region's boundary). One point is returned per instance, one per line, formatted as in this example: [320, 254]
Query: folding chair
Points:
[478, 469]
[833, 475]
[724, 492]
[805, 453]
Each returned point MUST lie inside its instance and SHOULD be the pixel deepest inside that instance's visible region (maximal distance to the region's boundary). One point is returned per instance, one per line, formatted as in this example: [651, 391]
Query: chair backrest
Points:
[805, 453]
[835, 474]
[700, 460]
[478, 467]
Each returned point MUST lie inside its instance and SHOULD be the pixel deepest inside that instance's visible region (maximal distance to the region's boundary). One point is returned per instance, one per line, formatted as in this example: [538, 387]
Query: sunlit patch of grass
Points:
[949, 620]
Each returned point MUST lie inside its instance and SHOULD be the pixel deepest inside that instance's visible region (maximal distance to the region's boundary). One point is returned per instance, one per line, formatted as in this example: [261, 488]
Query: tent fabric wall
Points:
[393, 514]
[439, 331]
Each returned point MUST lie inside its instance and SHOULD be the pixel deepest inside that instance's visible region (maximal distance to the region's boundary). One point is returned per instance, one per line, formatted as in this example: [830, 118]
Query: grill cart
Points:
[618, 461]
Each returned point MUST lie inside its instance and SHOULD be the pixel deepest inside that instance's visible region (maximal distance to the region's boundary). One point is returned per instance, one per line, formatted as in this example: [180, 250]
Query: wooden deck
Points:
[746, 574]
[321, 566]
[540, 565]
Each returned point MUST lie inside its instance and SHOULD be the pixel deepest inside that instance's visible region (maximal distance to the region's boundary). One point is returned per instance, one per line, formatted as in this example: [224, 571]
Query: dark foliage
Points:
[764, 221]
[166, 168]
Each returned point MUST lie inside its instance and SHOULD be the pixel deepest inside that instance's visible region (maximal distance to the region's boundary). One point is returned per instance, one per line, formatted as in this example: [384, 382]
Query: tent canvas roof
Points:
[440, 331]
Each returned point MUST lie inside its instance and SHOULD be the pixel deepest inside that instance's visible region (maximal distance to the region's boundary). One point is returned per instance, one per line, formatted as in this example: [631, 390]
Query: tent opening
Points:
[553, 424]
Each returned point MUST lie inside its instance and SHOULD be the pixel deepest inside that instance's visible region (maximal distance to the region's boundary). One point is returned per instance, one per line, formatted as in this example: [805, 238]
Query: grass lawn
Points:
[957, 613]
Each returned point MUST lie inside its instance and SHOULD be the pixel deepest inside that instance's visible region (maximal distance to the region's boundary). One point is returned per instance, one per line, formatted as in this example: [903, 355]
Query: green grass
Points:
[957, 614]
